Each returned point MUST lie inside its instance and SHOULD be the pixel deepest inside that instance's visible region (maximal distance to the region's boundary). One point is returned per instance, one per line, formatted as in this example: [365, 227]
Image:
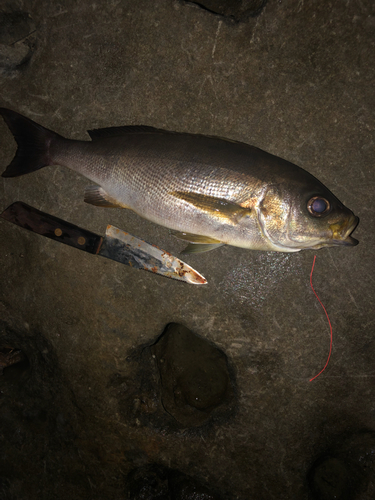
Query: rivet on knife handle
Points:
[52, 227]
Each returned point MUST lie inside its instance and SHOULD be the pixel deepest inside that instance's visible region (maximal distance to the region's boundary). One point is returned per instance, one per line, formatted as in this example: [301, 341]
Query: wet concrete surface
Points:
[85, 410]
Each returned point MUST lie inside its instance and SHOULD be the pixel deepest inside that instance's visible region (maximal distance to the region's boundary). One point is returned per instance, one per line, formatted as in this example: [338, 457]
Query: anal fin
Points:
[96, 195]
[197, 242]
[195, 238]
[201, 247]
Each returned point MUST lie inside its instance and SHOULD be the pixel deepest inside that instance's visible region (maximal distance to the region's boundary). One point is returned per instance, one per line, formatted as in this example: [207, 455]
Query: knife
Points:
[116, 244]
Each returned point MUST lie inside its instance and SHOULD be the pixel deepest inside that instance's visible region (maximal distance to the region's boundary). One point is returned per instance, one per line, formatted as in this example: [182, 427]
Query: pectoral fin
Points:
[95, 195]
[216, 207]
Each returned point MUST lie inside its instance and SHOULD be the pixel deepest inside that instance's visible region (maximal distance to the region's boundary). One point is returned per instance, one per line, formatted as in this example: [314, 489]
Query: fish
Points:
[207, 190]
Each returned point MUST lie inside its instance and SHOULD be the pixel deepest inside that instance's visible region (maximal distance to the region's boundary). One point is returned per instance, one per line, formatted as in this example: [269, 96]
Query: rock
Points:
[347, 472]
[154, 482]
[17, 40]
[330, 480]
[194, 375]
[147, 483]
[239, 10]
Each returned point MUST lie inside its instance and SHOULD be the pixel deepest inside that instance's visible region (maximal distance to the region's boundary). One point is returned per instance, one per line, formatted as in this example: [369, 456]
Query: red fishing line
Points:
[330, 326]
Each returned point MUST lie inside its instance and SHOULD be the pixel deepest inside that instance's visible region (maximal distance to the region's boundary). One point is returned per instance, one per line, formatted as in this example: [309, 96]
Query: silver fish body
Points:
[211, 191]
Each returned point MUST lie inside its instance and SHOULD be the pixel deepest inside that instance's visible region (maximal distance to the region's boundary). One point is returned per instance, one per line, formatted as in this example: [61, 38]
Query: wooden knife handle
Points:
[47, 225]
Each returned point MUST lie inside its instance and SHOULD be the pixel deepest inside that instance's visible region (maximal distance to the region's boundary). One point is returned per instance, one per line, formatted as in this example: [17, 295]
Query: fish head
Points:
[304, 215]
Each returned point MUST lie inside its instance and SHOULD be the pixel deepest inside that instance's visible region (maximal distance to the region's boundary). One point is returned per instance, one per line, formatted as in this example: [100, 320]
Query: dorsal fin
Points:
[99, 133]
[128, 129]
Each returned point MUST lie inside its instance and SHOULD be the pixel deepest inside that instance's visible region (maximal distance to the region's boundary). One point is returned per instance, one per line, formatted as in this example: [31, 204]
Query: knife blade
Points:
[116, 245]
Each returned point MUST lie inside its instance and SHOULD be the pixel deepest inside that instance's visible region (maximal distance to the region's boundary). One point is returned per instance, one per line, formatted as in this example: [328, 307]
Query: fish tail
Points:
[33, 142]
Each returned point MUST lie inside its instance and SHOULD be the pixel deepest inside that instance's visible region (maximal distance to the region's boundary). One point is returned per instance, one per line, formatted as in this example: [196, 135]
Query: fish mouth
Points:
[342, 232]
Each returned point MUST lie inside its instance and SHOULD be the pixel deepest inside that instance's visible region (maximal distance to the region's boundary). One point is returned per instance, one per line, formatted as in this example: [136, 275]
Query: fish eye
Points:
[318, 206]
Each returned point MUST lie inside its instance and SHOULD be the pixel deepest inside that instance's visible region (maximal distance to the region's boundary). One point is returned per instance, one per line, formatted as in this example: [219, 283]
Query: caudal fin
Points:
[33, 142]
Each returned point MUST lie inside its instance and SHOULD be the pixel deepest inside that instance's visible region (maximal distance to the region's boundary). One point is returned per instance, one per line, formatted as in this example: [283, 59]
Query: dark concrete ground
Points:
[83, 408]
